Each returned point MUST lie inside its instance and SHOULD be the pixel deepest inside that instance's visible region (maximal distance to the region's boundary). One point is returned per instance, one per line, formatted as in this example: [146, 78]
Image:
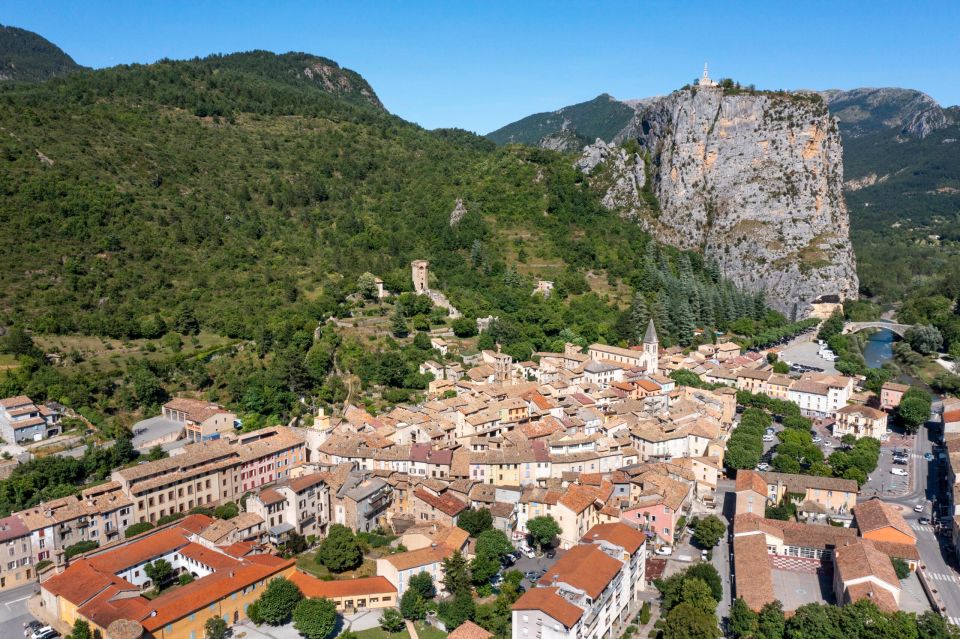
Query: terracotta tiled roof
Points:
[549, 602]
[751, 480]
[880, 596]
[316, 589]
[81, 582]
[860, 558]
[630, 539]
[866, 411]
[469, 630]
[195, 409]
[180, 602]
[19, 400]
[875, 514]
[754, 580]
[417, 558]
[585, 567]
[578, 498]
[12, 527]
[445, 503]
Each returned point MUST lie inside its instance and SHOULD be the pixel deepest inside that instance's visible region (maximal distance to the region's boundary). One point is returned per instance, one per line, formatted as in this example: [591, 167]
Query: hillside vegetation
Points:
[26, 56]
[602, 117]
[237, 196]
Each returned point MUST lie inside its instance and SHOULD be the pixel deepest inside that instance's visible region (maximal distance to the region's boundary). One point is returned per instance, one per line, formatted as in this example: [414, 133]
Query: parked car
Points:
[918, 508]
[899, 472]
[704, 554]
[529, 553]
[923, 521]
[763, 467]
[46, 632]
[665, 550]
[900, 460]
[817, 439]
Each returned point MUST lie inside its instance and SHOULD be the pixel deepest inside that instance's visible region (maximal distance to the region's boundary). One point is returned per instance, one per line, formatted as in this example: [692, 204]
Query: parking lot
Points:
[804, 351]
[537, 564]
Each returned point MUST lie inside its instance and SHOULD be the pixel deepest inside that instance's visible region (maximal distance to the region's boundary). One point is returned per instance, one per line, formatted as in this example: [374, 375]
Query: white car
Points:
[918, 508]
[768, 438]
[899, 472]
[817, 439]
[763, 466]
[665, 550]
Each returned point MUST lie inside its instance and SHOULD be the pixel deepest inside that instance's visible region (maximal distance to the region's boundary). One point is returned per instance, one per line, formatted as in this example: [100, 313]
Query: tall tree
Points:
[277, 602]
[544, 529]
[456, 574]
[315, 618]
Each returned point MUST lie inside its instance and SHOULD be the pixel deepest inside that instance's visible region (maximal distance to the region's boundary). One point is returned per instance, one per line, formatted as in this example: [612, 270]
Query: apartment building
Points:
[201, 420]
[22, 421]
[300, 505]
[100, 514]
[582, 596]
[860, 421]
[104, 587]
[16, 553]
[627, 544]
[361, 502]
[211, 472]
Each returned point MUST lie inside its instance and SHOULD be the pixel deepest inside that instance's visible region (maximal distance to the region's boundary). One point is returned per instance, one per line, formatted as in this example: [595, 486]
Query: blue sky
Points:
[480, 65]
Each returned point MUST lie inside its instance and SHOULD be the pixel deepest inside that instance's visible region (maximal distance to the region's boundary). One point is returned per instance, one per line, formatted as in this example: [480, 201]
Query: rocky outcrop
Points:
[908, 111]
[459, 210]
[620, 175]
[753, 180]
[565, 141]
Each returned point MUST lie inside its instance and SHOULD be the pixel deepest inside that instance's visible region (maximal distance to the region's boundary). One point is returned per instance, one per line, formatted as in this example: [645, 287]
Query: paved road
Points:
[13, 611]
[926, 488]
[723, 553]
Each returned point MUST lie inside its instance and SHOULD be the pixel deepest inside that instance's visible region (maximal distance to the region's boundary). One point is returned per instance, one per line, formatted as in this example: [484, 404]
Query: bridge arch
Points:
[856, 327]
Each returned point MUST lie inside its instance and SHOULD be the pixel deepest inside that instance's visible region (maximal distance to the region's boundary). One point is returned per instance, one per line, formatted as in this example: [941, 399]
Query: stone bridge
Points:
[856, 327]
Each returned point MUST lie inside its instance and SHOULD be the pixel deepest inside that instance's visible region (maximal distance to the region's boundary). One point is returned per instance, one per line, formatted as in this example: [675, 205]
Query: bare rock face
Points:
[459, 210]
[621, 175]
[753, 180]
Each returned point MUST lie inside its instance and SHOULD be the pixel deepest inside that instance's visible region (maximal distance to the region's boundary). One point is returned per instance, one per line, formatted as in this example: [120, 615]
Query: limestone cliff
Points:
[753, 180]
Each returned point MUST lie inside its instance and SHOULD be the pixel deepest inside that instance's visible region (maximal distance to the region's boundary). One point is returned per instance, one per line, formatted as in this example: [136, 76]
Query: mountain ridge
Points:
[29, 57]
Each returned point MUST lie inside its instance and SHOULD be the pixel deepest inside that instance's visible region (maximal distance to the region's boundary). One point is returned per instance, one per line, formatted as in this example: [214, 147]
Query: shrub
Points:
[136, 529]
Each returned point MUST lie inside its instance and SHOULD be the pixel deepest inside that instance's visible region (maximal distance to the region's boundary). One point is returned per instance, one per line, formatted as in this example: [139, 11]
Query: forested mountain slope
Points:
[602, 117]
[235, 195]
[26, 56]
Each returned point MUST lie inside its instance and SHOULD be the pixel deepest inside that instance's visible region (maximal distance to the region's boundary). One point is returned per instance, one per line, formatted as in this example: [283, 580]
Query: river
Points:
[879, 348]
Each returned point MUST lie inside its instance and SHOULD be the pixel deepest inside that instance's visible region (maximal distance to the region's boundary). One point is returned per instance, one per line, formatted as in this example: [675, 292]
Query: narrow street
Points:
[941, 564]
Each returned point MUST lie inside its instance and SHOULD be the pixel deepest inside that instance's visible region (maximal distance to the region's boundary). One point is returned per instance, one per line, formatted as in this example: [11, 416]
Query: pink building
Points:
[655, 517]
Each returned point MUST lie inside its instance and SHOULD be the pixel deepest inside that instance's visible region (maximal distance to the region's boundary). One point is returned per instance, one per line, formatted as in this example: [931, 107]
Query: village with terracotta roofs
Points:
[566, 492]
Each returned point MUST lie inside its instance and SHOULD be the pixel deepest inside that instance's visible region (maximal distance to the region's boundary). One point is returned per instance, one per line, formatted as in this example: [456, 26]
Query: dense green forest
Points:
[28, 57]
[235, 196]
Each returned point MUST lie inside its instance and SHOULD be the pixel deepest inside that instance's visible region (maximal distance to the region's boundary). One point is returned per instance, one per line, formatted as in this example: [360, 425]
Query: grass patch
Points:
[425, 631]
[380, 633]
[307, 563]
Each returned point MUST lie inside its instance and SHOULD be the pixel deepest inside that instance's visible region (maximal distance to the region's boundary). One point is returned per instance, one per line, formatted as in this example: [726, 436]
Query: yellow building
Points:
[105, 586]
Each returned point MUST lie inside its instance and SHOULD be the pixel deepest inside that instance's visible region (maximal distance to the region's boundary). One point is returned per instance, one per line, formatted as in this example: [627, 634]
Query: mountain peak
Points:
[29, 57]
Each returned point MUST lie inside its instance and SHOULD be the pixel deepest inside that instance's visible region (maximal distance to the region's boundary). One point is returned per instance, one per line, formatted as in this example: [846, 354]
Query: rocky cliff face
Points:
[753, 180]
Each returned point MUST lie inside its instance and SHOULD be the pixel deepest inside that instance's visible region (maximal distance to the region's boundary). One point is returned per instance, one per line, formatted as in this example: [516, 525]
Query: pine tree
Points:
[398, 326]
[639, 316]
[685, 323]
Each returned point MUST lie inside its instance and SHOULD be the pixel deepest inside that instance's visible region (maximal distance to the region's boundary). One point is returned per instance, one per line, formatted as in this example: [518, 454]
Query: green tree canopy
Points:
[277, 602]
[475, 520]
[315, 618]
[340, 550]
[543, 529]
